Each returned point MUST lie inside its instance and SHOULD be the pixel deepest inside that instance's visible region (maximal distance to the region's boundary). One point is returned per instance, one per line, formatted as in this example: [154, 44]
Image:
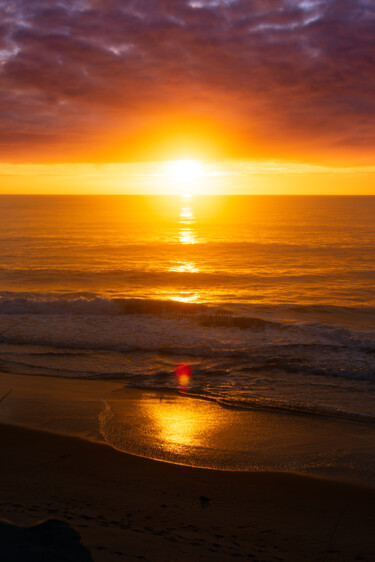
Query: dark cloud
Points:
[279, 72]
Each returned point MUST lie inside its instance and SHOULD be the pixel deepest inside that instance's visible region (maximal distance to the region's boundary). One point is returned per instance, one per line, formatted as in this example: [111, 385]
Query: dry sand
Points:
[131, 508]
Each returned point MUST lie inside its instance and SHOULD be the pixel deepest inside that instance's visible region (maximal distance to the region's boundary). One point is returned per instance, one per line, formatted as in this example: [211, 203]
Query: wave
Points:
[50, 304]
[86, 275]
[163, 383]
[120, 360]
[88, 335]
[92, 303]
[89, 321]
[258, 403]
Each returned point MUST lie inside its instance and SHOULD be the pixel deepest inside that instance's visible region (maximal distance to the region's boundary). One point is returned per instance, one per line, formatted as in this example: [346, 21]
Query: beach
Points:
[131, 508]
[57, 464]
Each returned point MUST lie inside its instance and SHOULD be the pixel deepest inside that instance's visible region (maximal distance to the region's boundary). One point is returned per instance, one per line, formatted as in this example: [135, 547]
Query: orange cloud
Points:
[87, 80]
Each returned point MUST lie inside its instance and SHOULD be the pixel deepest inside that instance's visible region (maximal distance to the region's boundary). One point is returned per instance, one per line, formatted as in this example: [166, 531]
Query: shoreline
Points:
[136, 508]
[182, 431]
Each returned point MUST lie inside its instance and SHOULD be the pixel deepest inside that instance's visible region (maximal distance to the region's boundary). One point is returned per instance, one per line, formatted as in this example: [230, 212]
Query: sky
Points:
[274, 95]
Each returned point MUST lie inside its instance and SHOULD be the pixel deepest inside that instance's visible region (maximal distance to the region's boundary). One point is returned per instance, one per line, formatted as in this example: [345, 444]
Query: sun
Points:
[186, 170]
[185, 175]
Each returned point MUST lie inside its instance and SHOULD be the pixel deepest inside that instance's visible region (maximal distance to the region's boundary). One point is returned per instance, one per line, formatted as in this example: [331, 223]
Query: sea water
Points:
[269, 300]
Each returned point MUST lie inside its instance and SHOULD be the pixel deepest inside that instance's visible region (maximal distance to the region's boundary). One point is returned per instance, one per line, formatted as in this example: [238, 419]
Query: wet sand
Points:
[131, 508]
[190, 431]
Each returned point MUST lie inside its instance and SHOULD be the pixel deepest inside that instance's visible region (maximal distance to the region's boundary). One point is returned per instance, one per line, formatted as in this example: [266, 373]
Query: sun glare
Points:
[185, 175]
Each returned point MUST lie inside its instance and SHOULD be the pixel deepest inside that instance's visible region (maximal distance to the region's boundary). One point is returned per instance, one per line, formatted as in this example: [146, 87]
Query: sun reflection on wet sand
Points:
[188, 430]
[178, 424]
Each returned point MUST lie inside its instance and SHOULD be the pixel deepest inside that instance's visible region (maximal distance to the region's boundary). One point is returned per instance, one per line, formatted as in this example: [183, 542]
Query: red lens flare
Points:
[183, 374]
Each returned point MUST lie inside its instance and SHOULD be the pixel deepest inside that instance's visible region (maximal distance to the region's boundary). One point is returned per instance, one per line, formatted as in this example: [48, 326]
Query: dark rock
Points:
[48, 541]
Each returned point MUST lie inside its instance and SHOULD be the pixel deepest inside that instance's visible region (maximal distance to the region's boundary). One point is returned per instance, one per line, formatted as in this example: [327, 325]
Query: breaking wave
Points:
[275, 356]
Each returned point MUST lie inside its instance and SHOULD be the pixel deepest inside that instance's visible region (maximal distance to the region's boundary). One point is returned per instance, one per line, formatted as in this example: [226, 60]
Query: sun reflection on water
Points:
[186, 215]
[187, 236]
[185, 267]
[186, 296]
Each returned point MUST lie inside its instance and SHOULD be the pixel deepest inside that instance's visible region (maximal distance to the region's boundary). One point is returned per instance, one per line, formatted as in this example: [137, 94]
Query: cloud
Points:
[280, 75]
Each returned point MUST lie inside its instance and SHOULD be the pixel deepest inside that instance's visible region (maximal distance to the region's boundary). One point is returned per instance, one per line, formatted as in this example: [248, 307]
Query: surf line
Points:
[1, 334]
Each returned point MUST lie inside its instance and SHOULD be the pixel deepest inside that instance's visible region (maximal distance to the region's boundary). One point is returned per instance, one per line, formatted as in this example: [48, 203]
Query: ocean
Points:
[269, 300]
